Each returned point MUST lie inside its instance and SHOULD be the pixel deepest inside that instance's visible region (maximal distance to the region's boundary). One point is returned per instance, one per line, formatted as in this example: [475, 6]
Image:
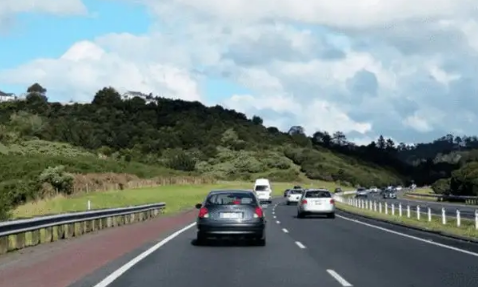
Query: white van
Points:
[263, 190]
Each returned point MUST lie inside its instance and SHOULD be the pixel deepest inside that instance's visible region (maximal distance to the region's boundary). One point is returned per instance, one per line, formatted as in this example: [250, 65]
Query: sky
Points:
[398, 68]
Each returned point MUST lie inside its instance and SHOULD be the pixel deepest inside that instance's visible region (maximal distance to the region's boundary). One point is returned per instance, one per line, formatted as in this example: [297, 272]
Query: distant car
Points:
[316, 201]
[337, 190]
[294, 196]
[389, 195]
[286, 192]
[297, 187]
[398, 188]
[373, 189]
[263, 190]
[361, 192]
[231, 213]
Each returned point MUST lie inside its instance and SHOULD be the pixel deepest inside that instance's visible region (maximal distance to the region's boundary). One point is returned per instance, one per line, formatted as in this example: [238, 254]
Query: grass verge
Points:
[466, 230]
[177, 197]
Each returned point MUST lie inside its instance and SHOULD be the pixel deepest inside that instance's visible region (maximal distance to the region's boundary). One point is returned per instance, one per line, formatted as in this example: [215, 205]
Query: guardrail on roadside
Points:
[442, 197]
[18, 234]
[417, 212]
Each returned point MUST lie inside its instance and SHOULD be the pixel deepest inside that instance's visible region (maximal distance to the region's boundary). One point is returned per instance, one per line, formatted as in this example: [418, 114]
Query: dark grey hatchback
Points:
[231, 214]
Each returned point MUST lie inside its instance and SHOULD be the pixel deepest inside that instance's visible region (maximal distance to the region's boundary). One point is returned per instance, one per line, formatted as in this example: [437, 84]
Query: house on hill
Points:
[7, 97]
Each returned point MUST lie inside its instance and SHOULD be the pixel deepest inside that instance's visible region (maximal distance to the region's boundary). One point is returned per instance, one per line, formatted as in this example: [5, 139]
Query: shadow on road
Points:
[224, 243]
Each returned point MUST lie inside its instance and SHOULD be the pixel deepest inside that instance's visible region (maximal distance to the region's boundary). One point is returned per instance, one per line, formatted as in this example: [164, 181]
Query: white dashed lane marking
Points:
[339, 278]
[285, 230]
[278, 222]
[302, 246]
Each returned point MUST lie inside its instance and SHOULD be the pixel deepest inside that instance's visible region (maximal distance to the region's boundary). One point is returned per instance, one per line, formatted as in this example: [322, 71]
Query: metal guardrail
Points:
[18, 234]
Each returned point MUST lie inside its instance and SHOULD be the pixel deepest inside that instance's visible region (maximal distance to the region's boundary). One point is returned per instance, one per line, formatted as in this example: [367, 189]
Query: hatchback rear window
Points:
[318, 194]
[262, 187]
[295, 191]
[233, 198]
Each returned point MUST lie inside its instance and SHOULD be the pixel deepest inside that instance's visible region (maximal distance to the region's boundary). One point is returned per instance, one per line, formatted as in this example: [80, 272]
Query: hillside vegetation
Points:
[50, 148]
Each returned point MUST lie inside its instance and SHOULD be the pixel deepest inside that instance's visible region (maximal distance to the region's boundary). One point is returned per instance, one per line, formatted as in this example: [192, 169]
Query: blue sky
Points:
[321, 79]
[44, 36]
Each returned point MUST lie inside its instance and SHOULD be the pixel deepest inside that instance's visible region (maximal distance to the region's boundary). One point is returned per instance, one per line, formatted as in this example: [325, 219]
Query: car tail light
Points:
[332, 201]
[203, 213]
[258, 213]
[304, 201]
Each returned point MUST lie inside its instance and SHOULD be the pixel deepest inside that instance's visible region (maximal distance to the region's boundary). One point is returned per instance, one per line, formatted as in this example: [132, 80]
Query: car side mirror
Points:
[198, 206]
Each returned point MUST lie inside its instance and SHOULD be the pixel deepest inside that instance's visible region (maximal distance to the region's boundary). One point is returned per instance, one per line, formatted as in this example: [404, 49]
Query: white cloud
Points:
[10, 8]
[401, 68]
[87, 67]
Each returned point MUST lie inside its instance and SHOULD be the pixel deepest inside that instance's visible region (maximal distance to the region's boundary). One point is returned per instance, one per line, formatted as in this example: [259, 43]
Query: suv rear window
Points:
[262, 187]
[232, 198]
[317, 194]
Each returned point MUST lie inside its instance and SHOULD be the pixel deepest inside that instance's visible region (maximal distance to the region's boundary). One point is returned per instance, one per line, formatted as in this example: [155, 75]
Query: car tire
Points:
[260, 241]
[331, 215]
[300, 215]
[200, 239]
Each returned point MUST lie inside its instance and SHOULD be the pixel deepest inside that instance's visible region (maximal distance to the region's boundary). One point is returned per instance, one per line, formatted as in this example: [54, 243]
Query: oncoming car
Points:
[316, 201]
[231, 214]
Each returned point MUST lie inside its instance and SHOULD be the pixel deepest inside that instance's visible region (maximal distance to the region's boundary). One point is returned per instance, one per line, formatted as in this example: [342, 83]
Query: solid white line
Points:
[411, 237]
[116, 274]
[300, 245]
[278, 222]
[339, 278]
[285, 230]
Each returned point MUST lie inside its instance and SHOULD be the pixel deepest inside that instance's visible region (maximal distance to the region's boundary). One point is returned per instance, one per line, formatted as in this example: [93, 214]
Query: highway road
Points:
[466, 211]
[307, 252]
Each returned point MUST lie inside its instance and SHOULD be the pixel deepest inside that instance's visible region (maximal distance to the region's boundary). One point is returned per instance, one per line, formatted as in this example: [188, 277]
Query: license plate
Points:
[231, 215]
[318, 203]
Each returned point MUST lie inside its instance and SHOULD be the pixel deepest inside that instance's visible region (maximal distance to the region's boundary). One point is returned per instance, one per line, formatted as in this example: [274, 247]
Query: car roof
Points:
[219, 191]
[317, 189]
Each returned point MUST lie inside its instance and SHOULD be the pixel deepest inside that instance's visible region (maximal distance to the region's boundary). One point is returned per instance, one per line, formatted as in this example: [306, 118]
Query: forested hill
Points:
[189, 137]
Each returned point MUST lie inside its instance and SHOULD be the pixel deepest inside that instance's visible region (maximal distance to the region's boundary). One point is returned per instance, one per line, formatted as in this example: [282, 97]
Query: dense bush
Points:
[441, 186]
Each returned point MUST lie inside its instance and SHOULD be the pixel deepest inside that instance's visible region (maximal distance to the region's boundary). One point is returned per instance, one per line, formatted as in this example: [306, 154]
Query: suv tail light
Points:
[203, 213]
[258, 213]
[304, 201]
[332, 201]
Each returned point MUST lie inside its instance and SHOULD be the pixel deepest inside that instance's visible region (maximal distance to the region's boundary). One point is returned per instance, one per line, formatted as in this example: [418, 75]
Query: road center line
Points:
[278, 222]
[275, 216]
[302, 246]
[285, 230]
[339, 278]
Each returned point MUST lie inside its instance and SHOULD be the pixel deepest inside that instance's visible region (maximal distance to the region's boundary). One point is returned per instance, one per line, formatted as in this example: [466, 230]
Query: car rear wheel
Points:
[331, 215]
[200, 239]
[300, 215]
[260, 241]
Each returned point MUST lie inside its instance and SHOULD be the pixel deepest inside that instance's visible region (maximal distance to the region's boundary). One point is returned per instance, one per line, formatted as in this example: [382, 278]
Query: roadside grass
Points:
[177, 197]
[466, 229]
[424, 191]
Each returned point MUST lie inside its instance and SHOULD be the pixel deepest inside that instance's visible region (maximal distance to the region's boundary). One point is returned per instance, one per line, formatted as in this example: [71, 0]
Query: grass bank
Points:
[466, 229]
[177, 197]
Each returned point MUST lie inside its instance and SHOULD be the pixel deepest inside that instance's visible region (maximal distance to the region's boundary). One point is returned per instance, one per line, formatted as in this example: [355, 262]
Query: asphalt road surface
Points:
[466, 211]
[311, 252]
